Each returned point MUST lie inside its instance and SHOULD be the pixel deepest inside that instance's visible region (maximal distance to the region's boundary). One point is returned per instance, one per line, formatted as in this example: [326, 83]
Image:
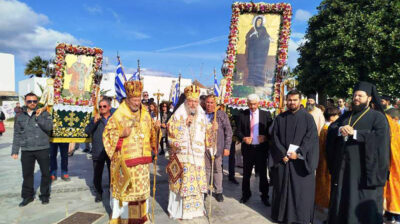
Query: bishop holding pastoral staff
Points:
[129, 138]
[189, 136]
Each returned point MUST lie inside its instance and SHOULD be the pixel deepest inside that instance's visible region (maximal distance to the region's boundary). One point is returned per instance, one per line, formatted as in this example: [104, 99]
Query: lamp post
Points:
[50, 69]
[224, 68]
[283, 74]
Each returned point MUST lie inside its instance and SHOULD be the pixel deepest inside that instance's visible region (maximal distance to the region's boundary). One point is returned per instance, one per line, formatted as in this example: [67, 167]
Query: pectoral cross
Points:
[71, 119]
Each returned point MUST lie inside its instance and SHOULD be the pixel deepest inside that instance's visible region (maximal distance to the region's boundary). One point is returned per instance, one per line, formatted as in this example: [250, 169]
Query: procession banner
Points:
[75, 91]
[257, 52]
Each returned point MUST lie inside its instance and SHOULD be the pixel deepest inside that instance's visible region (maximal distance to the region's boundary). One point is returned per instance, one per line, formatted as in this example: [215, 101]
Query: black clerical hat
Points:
[312, 96]
[371, 91]
[387, 98]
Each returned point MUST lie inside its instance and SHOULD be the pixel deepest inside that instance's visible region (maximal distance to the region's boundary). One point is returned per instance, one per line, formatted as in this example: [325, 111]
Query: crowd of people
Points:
[332, 158]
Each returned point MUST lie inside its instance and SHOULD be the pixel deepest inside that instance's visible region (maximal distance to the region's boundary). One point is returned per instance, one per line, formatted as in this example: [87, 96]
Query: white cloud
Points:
[16, 16]
[297, 35]
[196, 43]
[293, 54]
[94, 9]
[115, 15]
[168, 55]
[22, 32]
[302, 15]
[136, 35]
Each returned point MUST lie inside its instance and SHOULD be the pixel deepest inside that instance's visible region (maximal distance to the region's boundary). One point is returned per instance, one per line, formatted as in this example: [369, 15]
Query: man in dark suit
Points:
[95, 129]
[252, 131]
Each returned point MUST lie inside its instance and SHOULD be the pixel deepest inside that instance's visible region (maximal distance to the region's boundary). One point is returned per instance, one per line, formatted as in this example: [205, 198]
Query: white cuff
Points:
[340, 134]
[355, 134]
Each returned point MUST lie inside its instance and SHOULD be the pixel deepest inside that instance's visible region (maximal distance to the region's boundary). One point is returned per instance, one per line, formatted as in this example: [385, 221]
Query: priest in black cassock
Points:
[358, 150]
[295, 155]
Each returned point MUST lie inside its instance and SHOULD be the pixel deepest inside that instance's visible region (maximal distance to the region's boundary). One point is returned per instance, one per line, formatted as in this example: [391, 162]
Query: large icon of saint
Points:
[80, 72]
[257, 47]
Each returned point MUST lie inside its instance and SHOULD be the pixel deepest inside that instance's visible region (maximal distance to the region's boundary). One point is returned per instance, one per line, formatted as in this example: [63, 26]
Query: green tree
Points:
[350, 41]
[36, 67]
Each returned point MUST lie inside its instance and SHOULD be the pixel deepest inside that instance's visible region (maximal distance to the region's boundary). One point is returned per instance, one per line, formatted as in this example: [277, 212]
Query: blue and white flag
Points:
[120, 79]
[175, 94]
[135, 77]
[216, 87]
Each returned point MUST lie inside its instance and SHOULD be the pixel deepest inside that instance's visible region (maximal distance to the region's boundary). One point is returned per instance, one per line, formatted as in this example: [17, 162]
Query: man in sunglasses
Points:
[95, 129]
[31, 134]
[145, 99]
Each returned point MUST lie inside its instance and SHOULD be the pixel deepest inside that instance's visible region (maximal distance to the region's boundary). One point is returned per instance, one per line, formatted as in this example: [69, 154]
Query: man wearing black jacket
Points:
[95, 130]
[252, 131]
[31, 134]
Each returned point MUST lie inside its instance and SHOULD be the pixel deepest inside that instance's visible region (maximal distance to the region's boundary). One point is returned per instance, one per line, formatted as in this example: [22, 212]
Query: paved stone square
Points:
[77, 195]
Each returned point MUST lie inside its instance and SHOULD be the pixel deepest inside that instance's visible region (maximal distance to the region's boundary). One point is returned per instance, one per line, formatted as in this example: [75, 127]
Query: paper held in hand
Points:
[293, 148]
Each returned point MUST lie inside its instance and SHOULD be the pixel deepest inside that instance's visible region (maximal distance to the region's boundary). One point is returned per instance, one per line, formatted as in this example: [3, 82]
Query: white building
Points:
[152, 84]
[34, 85]
[7, 77]
[7, 72]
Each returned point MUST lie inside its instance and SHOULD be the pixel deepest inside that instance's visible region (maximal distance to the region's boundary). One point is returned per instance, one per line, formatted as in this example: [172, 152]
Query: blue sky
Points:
[168, 36]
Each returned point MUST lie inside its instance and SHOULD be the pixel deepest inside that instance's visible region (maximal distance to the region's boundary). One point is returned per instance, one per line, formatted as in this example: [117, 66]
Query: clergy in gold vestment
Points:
[187, 138]
[323, 178]
[129, 139]
[392, 188]
[317, 114]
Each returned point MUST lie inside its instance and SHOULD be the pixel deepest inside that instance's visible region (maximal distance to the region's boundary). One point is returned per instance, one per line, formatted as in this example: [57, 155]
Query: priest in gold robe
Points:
[391, 202]
[129, 138]
[189, 135]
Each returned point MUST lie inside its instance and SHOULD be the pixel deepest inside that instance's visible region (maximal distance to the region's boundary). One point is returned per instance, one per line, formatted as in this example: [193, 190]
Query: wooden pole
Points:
[123, 73]
[158, 95]
[214, 149]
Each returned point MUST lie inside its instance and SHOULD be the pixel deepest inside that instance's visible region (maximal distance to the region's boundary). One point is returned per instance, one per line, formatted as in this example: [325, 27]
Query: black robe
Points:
[294, 182]
[359, 168]
[257, 47]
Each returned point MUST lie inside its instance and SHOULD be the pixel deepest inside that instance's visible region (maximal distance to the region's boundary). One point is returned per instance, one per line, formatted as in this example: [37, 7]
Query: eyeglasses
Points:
[164, 106]
[31, 101]
[103, 106]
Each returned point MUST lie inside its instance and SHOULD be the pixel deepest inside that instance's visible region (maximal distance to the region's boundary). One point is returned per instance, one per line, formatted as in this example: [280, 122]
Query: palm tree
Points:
[36, 67]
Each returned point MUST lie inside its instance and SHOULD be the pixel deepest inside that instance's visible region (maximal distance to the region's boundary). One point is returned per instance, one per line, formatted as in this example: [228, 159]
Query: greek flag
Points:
[120, 79]
[175, 94]
[216, 87]
[135, 77]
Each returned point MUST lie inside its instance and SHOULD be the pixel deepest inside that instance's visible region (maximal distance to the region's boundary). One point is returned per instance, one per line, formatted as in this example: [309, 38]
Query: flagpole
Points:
[179, 81]
[138, 68]
[122, 68]
[215, 74]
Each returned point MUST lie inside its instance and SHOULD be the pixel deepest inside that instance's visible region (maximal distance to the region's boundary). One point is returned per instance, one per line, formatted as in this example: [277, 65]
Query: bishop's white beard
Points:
[190, 111]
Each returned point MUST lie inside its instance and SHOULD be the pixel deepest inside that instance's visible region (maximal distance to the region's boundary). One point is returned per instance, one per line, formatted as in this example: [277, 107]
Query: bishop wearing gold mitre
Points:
[129, 138]
[189, 136]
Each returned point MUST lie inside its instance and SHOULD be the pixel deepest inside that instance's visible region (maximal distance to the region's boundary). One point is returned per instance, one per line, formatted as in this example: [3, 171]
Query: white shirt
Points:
[256, 115]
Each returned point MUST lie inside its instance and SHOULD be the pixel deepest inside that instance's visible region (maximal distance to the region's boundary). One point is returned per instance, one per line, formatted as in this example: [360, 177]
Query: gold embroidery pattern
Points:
[76, 132]
[129, 183]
